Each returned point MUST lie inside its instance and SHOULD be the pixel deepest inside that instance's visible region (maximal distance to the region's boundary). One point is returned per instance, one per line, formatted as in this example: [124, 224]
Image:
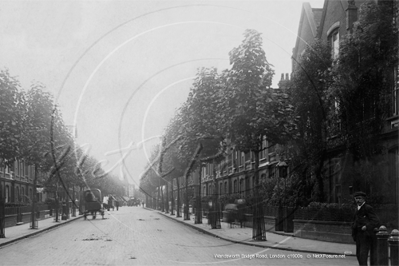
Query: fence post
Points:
[2, 217]
[393, 247]
[382, 246]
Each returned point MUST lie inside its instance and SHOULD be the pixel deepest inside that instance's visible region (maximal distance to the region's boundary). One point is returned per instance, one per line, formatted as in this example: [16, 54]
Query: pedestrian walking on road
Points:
[364, 228]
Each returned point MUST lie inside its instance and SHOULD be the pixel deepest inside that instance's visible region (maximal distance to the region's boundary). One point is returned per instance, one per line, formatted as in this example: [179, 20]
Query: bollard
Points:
[394, 247]
[382, 246]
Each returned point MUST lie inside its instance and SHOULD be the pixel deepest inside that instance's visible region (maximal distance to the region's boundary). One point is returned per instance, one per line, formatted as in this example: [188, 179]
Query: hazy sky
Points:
[120, 69]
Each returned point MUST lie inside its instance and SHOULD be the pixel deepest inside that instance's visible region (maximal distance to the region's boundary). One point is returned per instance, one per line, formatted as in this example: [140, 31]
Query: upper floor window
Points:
[335, 44]
[203, 171]
[26, 168]
[263, 151]
[333, 39]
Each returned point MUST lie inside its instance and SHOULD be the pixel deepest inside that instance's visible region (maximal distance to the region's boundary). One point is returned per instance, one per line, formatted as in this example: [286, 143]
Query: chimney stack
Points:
[351, 15]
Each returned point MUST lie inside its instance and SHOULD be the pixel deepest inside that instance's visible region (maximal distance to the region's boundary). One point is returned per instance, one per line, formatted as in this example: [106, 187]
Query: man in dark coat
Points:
[364, 229]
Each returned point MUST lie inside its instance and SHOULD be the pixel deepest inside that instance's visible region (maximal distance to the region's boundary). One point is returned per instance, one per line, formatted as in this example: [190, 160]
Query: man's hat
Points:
[359, 193]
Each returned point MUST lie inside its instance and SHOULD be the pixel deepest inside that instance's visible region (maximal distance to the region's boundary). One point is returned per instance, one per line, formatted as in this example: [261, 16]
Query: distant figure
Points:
[117, 205]
[110, 202]
[364, 229]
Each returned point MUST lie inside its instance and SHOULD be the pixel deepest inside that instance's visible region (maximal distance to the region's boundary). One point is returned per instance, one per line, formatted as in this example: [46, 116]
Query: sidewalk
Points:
[274, 240]
[16, 233]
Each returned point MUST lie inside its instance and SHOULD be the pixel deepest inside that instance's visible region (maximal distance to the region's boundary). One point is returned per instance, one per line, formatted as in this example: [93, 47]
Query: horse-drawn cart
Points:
[93, 203]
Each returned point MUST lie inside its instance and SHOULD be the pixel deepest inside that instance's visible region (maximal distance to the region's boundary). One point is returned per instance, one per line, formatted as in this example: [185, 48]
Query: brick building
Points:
[329, 25]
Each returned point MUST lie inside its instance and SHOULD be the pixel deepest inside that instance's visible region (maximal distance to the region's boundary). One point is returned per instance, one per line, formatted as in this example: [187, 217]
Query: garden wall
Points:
[333, 231]
[11, 219]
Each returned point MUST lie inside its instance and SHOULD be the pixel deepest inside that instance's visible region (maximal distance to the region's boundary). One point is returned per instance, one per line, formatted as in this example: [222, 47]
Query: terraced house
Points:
[341, 169]
[16, 182]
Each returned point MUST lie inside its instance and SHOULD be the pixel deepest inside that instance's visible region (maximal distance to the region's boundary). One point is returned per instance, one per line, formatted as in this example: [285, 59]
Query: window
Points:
[26, 168]
[7, 194]
[335, 44]
[203, 172]
[23, 194]
[8, 168]
[263, 149]
[20, 168]
[263, 177]
[255, 182]
[247, 156]
[333, 39]
[271, 173]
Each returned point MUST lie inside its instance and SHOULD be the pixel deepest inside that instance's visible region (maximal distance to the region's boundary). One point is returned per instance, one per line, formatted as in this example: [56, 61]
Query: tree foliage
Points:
[11, 119]
[309, 94]
[251, 108]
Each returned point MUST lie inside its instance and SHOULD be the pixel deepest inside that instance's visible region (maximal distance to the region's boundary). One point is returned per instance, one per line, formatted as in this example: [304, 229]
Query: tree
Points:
[11, 119]
[252, 109]
[203, 138]
[150, 179]
[42, 133]
[309, 94]
[38, 135]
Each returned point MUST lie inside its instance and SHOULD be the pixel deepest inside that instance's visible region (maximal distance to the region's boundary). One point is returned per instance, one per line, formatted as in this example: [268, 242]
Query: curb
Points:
[38, 231]
[253, 244]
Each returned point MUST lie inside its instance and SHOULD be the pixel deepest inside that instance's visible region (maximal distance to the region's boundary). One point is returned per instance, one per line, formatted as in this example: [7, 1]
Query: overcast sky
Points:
[119, 69]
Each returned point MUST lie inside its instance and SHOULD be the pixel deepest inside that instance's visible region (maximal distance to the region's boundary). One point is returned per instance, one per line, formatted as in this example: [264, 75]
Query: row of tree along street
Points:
[32, 130]
[328, 104]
